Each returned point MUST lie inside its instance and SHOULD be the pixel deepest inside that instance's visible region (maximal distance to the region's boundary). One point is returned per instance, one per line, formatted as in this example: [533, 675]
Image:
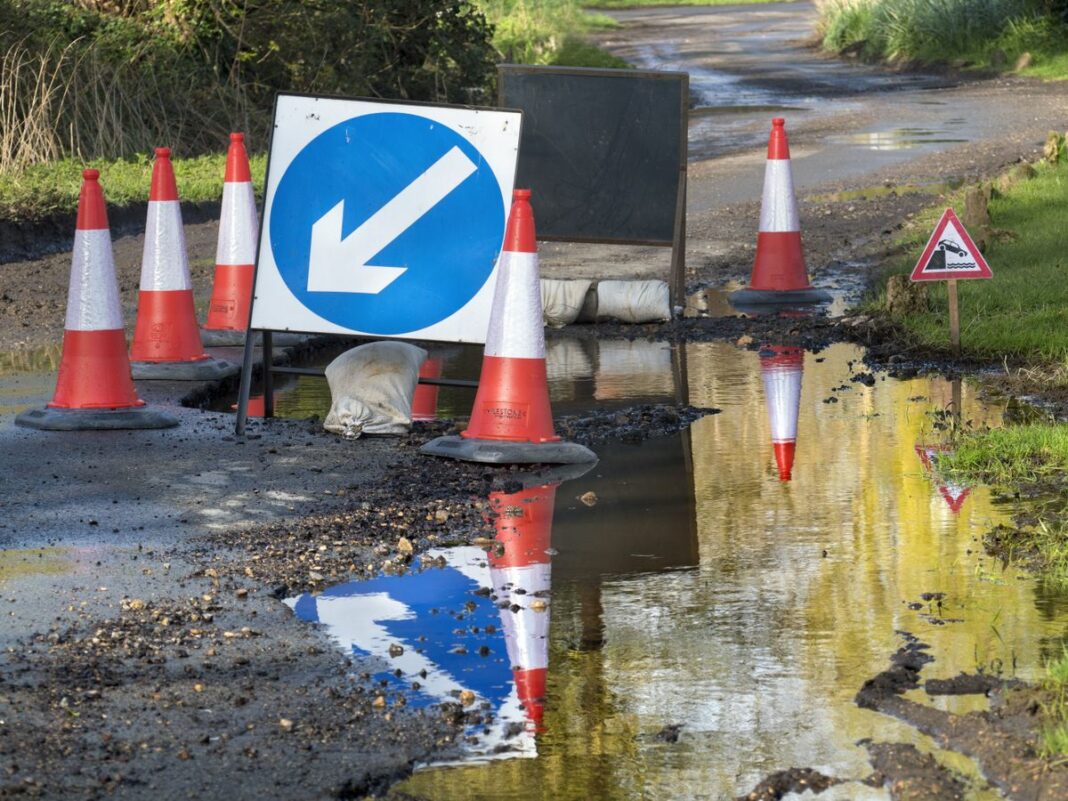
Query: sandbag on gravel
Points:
[561, 301]
[633, 301]
[371, 388]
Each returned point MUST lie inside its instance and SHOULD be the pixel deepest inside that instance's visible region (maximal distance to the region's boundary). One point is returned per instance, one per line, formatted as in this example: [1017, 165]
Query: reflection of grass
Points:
[17, 562]
[44, 189]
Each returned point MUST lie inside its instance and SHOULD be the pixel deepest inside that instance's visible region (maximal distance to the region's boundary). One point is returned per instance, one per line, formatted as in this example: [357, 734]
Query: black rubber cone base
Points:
[768, 297]
[49, 419]
[223, 338]
[210, 369]
[498, 452]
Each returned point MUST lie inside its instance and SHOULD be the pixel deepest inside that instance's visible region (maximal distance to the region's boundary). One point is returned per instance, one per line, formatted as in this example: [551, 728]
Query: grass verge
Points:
[1054, 741]
[1022, 313]
[1011, 455]
[43, 190]
[643, 3]
[546, 32]
[1032, 460]
[1003, 35]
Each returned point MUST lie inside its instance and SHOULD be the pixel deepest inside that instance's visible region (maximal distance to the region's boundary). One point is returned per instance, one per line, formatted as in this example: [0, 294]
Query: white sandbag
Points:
[371, 388]
[561, 301]
[633, 301]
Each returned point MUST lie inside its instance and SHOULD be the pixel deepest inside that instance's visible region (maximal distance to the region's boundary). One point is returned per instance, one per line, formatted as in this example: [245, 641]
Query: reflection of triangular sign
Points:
[953, 495]
[950, 253]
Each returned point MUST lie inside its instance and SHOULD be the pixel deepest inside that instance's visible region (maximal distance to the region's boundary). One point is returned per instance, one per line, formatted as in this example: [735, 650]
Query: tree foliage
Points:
[134, 72]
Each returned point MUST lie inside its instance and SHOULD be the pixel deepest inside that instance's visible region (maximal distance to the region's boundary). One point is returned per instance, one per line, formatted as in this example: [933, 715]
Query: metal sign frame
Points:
[677, 243]
[267, 350]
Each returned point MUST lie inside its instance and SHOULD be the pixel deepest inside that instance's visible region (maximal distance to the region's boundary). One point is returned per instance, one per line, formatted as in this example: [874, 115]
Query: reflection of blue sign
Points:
[387, 223]
[436, 616]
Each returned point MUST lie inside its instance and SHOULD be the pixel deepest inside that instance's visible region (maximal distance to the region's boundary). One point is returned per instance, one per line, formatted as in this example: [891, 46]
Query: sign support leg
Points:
[954, 316]
[246, 384]
[268, 376]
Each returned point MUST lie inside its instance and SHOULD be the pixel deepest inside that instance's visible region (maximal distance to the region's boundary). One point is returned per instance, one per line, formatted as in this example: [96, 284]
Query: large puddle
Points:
[741, 580]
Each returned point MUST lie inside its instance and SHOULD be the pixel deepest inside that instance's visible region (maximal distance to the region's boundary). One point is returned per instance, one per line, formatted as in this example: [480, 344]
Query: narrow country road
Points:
[852, 127]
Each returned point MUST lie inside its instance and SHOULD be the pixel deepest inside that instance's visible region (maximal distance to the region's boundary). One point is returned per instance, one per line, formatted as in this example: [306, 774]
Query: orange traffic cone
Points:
[166, 342]
[520, 572]
[781, 368]
[425, 398]
[94, 389]
[779, 274]
[235, 256]
[512, 421]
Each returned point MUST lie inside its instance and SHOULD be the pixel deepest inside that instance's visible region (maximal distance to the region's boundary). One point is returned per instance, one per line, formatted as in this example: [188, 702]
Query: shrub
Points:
[117, 77]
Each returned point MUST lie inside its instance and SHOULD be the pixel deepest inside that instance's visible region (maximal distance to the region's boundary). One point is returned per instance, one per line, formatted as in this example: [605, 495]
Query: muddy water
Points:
[685, 581]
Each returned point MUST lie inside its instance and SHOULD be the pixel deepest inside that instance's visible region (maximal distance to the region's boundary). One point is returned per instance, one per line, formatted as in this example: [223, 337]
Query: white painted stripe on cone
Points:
[526, 632]
[164, 264]
[782, 387]
[93, 299]
[238, 225]
[515, 326]
[778, 210]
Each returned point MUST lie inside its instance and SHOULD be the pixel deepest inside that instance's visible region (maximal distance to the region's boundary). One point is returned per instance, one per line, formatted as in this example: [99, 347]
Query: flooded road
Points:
[741, 581]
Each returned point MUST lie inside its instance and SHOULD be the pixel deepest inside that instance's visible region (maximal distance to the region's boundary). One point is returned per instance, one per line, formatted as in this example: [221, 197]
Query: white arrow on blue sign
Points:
[384, 219]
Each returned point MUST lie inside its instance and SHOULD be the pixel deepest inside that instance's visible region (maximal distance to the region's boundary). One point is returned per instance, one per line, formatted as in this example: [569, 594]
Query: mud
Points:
[219, 685]
[177, 698]
[911, 775]
[795, 780]
[1003, 741]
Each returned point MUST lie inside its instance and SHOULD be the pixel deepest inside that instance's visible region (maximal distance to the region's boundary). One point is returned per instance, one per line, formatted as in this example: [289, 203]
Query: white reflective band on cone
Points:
[778, 212]
[93, 299]
[526, 632]
[238, 225]
[517, 300]
[783, 391]
[164, 264]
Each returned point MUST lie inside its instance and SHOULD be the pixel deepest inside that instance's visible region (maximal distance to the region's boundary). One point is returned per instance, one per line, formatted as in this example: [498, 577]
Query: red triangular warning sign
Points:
[950, 253]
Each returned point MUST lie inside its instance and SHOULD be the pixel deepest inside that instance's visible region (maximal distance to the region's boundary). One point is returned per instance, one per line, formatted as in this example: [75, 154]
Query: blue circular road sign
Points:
[387, 223]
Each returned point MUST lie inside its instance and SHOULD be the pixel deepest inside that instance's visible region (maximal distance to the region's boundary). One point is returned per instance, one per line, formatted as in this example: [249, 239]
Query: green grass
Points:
[551, 31]
[45, 189]
[644, 3]
[1034, 455]
[536, 31]
[1055, 733]
[1010, 455]
[1022, 312]
[987, 34]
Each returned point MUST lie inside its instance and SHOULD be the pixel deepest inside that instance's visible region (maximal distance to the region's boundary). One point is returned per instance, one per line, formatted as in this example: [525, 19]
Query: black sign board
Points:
[604, 152]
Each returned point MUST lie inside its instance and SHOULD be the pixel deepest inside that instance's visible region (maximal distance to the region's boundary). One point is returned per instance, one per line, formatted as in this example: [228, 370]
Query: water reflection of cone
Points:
[511, 421]
[781, 368]
[94, 389]
[425, 399]
[166, 342]
[231, 295]
[521, 577]
[779, 274]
